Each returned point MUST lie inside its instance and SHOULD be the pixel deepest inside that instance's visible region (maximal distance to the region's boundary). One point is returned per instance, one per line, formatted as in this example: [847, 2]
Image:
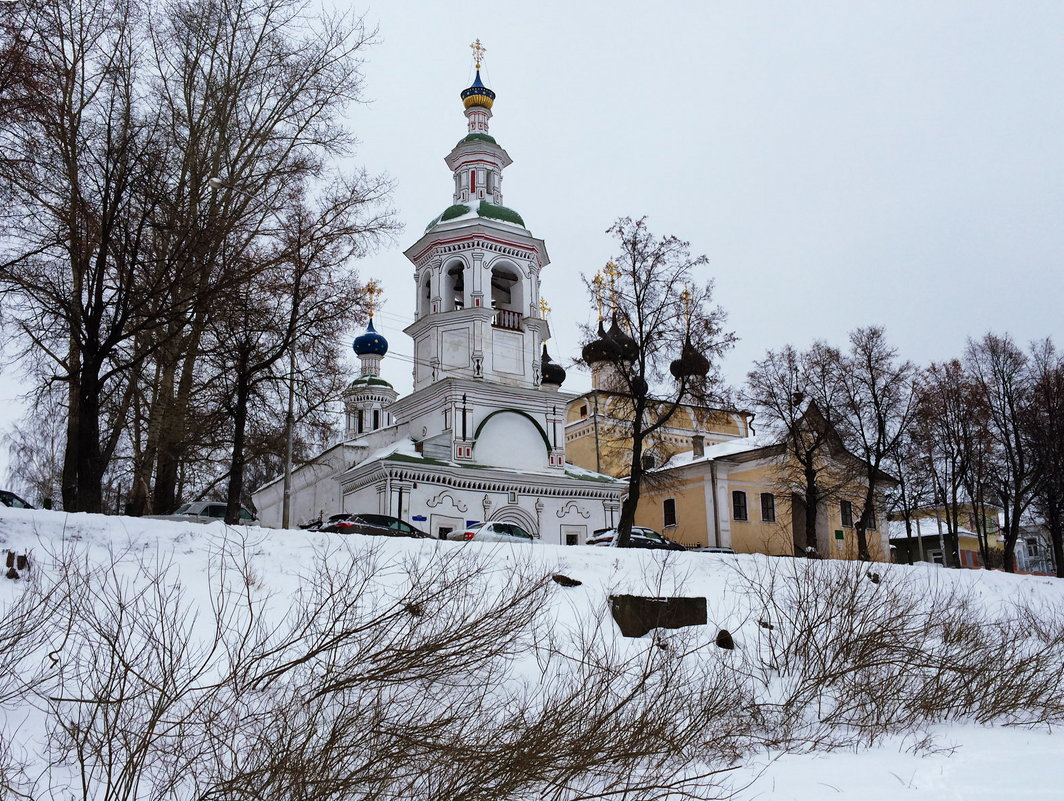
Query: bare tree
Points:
[35, 449]
[157, 154]
[796, 395]
[1044, 428]
[1003, 377]
[877, 400]
[661, 349]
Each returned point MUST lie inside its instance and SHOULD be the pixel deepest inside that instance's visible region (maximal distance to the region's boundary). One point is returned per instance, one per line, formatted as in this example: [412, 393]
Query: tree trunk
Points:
[236, 463]
[635, 480]
[1056, 539]
[82, 464]
[861, 529]
[811, 502]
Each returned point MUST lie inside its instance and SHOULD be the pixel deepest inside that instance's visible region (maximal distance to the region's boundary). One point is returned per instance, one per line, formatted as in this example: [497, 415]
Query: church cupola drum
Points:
[477, 268]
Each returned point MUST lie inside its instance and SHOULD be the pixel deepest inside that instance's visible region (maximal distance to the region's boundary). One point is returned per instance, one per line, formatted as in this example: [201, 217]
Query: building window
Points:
[846, 509]
[871, 519]
[768, 507]
[472, 180]
[583, 411]
[738, 500]
[668, 510]
[376, 419]
[361, 420]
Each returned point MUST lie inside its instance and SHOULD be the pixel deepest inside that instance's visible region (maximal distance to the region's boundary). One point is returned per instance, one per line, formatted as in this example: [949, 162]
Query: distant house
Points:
[1034, 550]
[931, 541]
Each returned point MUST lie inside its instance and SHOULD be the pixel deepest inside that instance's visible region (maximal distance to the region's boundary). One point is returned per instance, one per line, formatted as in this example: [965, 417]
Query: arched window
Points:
[506, 288]
[426, 294]
[454, 297]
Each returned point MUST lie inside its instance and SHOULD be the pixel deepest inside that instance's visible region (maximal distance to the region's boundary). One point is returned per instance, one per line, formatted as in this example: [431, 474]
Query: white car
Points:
[206, 512]
[492, 532]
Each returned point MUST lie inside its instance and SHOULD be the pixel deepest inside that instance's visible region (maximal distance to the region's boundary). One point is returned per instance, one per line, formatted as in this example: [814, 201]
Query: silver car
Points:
[206, 512]
[492, 532]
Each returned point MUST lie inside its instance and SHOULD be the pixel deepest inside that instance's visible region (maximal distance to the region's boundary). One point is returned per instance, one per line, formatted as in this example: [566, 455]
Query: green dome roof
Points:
[370, 381]
[477, 137]
[485, 209]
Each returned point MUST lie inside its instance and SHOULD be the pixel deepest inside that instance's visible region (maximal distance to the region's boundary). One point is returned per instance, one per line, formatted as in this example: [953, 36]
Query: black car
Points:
[642, 537]
[13, 500]
[376, 525]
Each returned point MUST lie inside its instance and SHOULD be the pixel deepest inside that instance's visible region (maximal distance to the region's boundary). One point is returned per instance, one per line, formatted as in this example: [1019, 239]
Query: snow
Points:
[958, 761]
[720, 450]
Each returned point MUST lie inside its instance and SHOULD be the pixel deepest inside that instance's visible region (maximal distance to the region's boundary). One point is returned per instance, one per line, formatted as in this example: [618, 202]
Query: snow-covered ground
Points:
[957, 761]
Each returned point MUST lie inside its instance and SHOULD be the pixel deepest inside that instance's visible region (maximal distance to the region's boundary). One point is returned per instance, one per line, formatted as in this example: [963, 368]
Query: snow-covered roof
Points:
[924, 527]
[721, 450]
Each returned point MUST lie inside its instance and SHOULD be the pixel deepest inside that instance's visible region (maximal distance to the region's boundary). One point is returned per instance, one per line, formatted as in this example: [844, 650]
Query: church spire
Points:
[477, 160]
[478, 99]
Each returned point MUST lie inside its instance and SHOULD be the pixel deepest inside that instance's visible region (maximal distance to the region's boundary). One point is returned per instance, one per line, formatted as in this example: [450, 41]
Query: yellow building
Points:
[713, 483]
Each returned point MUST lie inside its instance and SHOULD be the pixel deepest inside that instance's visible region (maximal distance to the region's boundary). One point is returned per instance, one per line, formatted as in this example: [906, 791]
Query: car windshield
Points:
[376, 520]
[649, 534]
[337, 518]
[13, 500]
[182, 509]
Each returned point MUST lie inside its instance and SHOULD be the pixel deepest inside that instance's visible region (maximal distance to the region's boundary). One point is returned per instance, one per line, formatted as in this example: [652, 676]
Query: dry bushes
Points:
[441, 678]
[847, 659]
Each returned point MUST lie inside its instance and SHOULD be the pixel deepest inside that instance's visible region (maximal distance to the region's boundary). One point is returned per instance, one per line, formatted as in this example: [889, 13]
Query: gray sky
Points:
[840, 163]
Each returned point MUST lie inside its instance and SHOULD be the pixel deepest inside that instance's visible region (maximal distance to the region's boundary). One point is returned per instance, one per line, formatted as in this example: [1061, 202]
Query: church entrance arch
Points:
[515, 514]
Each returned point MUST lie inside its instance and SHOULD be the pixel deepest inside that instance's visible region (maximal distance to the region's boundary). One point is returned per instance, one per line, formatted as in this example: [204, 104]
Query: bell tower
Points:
[477, 268]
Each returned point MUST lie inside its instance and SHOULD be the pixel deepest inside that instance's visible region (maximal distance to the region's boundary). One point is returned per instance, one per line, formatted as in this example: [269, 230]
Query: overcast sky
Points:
[840, 163]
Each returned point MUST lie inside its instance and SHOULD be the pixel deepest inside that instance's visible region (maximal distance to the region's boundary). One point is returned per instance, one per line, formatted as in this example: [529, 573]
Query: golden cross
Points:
[597, 283]
[544, 307]
[478, 52]
[685, 298]
[614, 272]
[373, 291]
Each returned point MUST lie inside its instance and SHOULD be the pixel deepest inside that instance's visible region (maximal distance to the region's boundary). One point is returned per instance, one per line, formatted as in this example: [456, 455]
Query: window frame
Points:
[668, 510]
[771, 509]
[846, 514]
[737, 503]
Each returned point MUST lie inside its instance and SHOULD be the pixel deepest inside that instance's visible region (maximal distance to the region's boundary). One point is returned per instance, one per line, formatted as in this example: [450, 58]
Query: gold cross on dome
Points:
[478, 52]
[373, 290]
[544, 307]
[597, 281]
[614, 272]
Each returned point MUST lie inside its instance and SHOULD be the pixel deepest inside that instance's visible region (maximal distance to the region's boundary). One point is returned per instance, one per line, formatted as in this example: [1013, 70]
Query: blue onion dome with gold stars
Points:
[553, 373]
[370, 343]
[478, 94]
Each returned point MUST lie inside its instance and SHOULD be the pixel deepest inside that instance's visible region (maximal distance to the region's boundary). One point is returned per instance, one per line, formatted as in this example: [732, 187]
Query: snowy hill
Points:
[151, 659]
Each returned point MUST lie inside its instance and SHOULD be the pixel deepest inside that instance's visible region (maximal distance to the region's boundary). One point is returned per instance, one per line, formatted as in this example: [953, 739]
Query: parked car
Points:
[206, 512]
[495, 531]
[372, 524]
[714, 549]
[642, 537]
[13, 500]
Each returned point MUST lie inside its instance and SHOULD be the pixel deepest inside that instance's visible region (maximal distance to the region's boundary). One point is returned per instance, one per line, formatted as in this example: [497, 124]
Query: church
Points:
[482, 435]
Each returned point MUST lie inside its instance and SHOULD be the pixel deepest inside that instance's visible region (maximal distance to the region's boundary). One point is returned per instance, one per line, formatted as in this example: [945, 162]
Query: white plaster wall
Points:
[511, 440]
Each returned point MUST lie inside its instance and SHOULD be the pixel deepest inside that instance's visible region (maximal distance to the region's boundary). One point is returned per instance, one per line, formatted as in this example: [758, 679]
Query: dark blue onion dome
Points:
[370, 343]
[691, 363]
[478, 94]
[603, 349]
[553, 374]
[628, 347]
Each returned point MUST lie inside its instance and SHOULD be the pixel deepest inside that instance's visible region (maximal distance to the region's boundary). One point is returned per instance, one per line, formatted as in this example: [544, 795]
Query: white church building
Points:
[481, 437]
